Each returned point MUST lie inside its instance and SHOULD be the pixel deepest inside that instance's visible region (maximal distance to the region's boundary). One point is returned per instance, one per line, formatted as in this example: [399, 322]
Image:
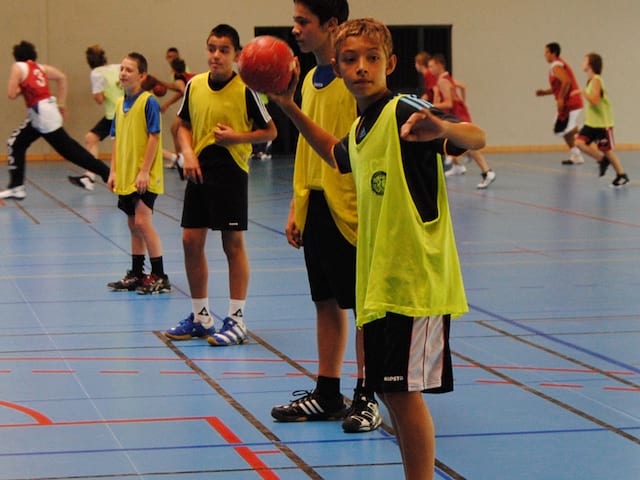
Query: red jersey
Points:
[35, 86]
[573, 99]
[459, 108]
[430, 81]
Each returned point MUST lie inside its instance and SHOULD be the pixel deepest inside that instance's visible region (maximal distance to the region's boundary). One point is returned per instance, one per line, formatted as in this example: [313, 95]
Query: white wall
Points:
[498, 50]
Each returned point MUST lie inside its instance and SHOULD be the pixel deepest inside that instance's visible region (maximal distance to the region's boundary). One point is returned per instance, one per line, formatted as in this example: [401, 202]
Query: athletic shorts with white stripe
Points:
[405, 354]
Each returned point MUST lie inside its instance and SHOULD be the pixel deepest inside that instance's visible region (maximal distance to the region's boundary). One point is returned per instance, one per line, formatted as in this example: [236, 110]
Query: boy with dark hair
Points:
[408, 274]
[220, 119]
[449, 101]
[45, 117]
[137, 175]
[322, 218]
[564, 87]
[106, 89]
[596, 136]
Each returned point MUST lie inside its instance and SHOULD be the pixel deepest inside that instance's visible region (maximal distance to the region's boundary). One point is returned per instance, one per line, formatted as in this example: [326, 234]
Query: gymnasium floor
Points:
[547, 361]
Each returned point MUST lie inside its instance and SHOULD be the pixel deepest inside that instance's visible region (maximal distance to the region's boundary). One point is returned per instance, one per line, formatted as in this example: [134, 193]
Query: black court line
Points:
[555, 353]
[549, 398]
[299, 462]
[58, 202]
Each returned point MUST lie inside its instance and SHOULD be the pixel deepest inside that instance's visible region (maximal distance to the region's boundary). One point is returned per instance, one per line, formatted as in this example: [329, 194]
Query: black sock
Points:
[328, 388]
[362, 390]
[137, 265]
[157, 267]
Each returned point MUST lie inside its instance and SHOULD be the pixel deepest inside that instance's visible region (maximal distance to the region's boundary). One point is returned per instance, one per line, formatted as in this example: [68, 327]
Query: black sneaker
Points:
[620, 181]
[309, 407]
[128, 283]
[362, 416]
[603, 165]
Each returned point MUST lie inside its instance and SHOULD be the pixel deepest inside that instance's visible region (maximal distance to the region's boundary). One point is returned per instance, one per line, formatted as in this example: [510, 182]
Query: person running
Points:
[323, 220]
[44, 119]
[564, 87]
[106, 89]
[220, 119]
[448, 99]
[596, 136]
[137, 175]
[409, 281]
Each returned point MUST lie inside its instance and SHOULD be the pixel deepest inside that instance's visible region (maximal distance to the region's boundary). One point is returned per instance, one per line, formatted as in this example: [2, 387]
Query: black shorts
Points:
[127, 203]
[330, 258]
[603, 137]
[221, 201]
[405, 354]
[102, 128]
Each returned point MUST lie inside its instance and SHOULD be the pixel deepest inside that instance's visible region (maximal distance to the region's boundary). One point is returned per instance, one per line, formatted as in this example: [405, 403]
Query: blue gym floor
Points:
[547, 361]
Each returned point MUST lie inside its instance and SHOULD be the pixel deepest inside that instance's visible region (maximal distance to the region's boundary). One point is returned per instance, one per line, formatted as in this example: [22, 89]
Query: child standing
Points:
[323, 220]
[408, 279]
[598, 123]
[220, 119]
[136, 175]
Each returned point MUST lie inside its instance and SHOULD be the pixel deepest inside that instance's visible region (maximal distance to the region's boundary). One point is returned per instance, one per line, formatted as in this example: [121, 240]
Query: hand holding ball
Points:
[266, 64]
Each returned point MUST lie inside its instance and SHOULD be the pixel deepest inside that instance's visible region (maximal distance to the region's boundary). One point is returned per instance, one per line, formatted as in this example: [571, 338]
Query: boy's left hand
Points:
[422, 126]
[142, 182]
[224, 135]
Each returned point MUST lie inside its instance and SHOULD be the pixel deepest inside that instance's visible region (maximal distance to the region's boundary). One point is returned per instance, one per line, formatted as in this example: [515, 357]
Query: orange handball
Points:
[266, 64]
[159, 90]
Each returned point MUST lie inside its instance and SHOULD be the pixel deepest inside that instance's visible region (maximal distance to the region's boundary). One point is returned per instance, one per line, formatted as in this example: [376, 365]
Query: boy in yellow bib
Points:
[136, 175]
[408, 279]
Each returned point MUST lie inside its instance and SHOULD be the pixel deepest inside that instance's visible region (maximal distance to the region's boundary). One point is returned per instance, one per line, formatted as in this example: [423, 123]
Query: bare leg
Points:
[195, 261]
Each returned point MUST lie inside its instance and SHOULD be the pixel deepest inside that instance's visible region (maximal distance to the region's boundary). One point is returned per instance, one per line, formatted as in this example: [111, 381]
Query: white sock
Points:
[174, 157]
[236, 310]
[575, 150]
[201, 312]
[91, 175]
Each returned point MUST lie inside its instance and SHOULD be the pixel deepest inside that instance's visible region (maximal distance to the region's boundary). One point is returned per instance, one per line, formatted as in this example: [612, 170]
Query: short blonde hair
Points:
[372, 29]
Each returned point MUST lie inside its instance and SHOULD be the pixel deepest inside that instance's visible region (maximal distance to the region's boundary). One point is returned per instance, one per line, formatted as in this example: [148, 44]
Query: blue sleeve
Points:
[152, 112]
[112, 131]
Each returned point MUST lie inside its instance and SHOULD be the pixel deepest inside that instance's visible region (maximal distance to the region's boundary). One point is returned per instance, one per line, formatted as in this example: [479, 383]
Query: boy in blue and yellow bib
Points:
[408, 279]
[136, 175]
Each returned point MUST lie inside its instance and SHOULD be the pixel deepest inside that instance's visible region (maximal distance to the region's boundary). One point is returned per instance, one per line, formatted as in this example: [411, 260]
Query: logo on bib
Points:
[378, 182]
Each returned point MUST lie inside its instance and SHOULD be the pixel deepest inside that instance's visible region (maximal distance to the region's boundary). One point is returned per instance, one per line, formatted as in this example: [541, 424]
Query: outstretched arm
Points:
[423, 126]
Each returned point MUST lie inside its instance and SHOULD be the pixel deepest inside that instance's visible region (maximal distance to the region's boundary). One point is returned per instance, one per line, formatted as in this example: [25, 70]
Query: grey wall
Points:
[498, 50]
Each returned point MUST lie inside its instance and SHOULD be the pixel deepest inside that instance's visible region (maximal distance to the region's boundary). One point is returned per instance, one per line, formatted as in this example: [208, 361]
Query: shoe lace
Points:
[301, 396]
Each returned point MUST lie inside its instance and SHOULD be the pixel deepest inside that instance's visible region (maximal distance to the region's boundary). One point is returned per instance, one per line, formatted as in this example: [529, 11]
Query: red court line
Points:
[53, 371]
[560, 385]
[495, 382]
[37, 416]
[225, 432]
[623, 389]
[247, 454]
[572, 213]
[125, 372]
[546, 369]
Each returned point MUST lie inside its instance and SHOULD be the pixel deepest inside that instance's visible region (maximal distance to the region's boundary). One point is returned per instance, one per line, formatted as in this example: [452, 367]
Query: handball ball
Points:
[159, 90]
[266, 64]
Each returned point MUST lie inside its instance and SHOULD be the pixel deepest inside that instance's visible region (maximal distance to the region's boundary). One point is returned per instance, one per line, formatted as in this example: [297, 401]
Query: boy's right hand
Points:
[282, 98]
[191, 167]
[294, 236]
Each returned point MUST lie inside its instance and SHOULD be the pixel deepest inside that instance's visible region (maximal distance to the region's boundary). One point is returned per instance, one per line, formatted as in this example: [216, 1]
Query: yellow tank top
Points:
[403, 265]
[600, 115]
[131, 144]
[332, 107]
[227, 106]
